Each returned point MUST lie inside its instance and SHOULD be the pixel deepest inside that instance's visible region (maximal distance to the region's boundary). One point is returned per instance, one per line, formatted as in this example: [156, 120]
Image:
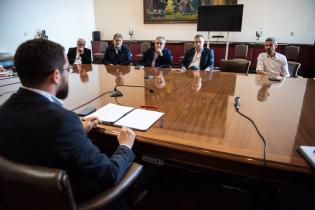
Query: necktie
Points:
[156, 55]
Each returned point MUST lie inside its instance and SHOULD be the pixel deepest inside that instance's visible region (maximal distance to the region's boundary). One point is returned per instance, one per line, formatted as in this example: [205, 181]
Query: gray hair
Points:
[160, 38]
[81, 40]
[118, 35]
[199, 36]
[271, 39]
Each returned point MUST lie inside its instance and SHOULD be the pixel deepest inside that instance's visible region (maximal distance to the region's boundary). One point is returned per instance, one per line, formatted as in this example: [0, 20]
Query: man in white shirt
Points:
[271, 62]
[199, 57]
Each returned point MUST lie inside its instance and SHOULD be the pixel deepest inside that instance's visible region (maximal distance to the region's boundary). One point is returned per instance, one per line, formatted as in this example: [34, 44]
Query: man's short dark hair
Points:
[36, 59]
[271, 39]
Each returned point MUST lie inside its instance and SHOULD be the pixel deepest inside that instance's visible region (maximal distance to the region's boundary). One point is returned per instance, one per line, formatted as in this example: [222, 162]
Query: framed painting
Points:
[176, 11]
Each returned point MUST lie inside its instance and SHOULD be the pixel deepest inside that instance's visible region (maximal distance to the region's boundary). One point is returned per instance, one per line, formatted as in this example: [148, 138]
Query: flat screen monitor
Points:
[220, 18]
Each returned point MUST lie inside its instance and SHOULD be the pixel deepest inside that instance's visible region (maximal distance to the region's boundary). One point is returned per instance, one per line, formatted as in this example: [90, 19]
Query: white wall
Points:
[64, 21]
[276, 17]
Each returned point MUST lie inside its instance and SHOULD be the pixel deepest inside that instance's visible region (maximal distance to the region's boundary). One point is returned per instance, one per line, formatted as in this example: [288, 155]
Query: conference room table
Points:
[201, 128]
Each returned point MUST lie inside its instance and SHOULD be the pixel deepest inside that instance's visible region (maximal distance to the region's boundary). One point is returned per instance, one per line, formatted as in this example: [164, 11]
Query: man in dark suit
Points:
[36, 129]
[157, 56]
[117, 53]
[198, 58]
[79, 54]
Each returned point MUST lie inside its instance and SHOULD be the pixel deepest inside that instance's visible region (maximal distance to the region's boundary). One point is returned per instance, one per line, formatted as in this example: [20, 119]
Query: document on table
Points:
[139, 119]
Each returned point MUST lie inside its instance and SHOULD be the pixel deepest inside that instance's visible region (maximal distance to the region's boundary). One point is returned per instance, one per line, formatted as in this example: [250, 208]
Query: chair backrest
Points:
[30, 187]
[188, 46]
[293, 68]
[144, 46]
[103, 46]
[241, 51]
[239, 66]
[292, 53]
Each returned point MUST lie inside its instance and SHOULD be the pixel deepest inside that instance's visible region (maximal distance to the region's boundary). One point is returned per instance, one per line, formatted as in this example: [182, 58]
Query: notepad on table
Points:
[308, 152]
[118, 115]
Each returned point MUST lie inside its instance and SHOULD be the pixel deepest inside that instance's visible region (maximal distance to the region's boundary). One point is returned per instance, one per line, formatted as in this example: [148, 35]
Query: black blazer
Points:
[36, 131]
[164, 60]
[123, 57]
[206, 60]
[86, 56]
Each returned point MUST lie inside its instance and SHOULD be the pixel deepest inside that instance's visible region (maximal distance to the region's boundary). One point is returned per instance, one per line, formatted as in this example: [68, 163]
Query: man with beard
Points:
[36, 129]
[271, 62]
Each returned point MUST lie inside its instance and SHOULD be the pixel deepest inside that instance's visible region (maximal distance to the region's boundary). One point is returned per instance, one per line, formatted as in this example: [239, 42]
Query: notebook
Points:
[308, 152]
[139, 119]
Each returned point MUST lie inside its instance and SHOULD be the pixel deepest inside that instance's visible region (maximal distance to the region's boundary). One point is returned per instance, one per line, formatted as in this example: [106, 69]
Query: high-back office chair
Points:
[98, 57]
[240, 52]
[144, 46]
[187, 46]
[238, 66]
[293, 68]
[292, 55]
[30, 187]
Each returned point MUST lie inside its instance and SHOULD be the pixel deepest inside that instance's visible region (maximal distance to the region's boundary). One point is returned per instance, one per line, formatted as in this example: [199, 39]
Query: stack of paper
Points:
[308, 152]
[138, 119]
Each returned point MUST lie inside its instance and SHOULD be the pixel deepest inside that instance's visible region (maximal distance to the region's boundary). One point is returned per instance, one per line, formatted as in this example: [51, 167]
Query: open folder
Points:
[139, 119]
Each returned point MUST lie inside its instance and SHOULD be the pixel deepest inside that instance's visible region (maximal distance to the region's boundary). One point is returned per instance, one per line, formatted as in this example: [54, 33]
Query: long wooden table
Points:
[201, 127]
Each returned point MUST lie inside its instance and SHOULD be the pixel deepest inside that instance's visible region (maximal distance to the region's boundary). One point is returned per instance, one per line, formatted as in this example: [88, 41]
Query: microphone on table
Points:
[118, 93]
[237, 103]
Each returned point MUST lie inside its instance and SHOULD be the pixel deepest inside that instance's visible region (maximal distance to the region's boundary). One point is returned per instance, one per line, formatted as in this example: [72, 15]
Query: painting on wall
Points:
[176, 11]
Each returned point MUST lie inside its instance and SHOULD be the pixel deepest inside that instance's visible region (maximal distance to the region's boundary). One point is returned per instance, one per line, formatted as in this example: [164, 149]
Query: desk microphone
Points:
[237, 103]
[118, 93]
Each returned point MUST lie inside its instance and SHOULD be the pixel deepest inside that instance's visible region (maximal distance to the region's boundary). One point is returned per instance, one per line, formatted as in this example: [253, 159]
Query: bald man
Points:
[79, 54]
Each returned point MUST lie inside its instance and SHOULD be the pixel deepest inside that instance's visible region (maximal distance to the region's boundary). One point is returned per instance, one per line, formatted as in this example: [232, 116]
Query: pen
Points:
[149, 107]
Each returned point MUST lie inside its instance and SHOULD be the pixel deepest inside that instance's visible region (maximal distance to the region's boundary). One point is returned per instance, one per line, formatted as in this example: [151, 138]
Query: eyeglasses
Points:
[159, 43]
[197, 42]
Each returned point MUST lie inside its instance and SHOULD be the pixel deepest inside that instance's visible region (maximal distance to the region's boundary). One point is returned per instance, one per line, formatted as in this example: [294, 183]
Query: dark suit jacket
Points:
[86, 56]
[206, 60]
[123, 57]
[148, 56]
[36, 131]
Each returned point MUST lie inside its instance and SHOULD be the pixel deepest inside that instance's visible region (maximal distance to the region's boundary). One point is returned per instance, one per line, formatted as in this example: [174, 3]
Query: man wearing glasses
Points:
[36, 129]
[79, 54]
[198, 57]
[271, 62]
[159, 56]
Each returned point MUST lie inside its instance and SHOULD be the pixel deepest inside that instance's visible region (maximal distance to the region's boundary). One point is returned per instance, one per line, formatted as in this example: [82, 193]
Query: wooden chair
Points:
[144, 46]
[29, 187]
[238, 66]
[98, 57]
[240, 52]
[187, 46]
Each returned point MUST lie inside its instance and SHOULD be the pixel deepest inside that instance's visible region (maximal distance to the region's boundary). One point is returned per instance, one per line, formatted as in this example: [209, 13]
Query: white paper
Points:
[140, 119]
[110, 113]
[309, 154]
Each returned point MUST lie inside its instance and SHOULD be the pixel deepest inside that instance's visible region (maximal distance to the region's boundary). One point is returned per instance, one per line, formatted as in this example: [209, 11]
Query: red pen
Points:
[149, 107]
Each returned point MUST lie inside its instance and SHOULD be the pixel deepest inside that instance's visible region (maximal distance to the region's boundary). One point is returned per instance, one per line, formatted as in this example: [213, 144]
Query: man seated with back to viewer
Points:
[159, 56]
[198, 58]
[50, 135]
[79, 54]
[271, 62]
[117, 53]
